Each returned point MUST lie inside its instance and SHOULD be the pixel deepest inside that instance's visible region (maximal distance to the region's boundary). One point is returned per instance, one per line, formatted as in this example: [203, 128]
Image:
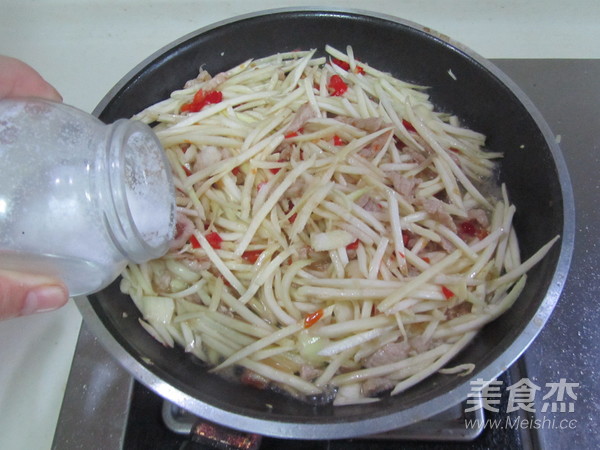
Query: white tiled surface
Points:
[83, 47]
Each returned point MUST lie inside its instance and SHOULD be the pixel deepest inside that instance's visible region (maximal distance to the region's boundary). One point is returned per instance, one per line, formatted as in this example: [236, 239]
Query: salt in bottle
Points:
[80, 199]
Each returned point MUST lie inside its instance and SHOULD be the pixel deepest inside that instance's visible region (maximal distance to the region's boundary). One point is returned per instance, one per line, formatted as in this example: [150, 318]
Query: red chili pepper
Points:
[235, 171]
[447, 292]
[482, 234]
[213, 97]
[194, 105]
[187, 107]
[426, 259]
[293, 134]
[346, 66]
[276, 170]
[194, 242]
[336, 86]
[409, 126]
[201, 99]
[313, 318]
[469, 227]
[352, 246]
[198, 97]
[187, 171]
[343, 64]
[251, 255]
[214, 239]
[292, 218]
[337, 141]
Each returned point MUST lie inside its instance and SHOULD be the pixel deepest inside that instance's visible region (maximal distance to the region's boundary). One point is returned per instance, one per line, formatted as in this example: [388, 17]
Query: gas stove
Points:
[104, 407]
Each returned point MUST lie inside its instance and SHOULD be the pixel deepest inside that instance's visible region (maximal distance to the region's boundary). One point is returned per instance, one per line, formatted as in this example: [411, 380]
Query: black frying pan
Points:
[485, 99]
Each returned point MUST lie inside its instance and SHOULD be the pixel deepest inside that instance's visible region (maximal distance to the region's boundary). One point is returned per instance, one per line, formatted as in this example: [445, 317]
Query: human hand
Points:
[20, 293]
[17, 79]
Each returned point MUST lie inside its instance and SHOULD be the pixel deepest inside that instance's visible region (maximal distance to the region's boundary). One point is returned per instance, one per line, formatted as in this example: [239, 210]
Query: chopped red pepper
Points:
[447, 292]
[313, 318]
[235, 171]
[346, 66]
[293, 134]
[336, 86]
[201, 99]
[214, 239]
[426, 259]
[352, 245]
[213, 97]
[337, 141]
[187, 171]
[473, 228]
[195, 104]
[409, 126]
[343, 64]
[469, 227]
[276, 170]
[251, 255]
[292, 218]
[197, 100]
[482, 234]
[194, 242]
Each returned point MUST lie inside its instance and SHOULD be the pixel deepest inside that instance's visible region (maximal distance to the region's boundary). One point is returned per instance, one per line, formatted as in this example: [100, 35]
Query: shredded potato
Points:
[333, 236]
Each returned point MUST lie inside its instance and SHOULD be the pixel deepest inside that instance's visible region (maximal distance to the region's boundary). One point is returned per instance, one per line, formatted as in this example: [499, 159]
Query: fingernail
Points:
[42, 299]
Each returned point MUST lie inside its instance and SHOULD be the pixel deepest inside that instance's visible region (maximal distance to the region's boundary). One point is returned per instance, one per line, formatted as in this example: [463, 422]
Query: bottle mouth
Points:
[141, 213]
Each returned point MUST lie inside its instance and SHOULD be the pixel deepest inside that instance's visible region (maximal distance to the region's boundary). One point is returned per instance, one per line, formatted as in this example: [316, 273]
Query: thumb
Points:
[18, 79]
[22, 294]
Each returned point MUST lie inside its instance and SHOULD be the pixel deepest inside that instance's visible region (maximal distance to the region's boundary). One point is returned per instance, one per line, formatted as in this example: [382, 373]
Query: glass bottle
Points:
[80, 199]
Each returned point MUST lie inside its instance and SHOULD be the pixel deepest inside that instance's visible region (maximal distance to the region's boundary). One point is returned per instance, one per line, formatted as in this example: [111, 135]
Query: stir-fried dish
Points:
[337, 237]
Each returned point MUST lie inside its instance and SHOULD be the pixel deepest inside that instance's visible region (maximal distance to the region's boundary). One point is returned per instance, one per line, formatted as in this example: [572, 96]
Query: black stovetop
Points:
[104, 408]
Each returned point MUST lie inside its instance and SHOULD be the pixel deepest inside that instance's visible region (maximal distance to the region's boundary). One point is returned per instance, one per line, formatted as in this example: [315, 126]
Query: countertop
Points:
[84, 47]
